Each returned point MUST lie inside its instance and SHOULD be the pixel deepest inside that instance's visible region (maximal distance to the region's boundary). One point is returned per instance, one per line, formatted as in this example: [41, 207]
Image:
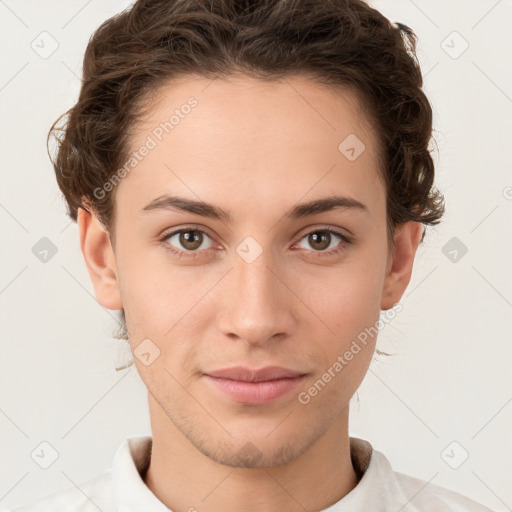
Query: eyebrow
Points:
[167, 202]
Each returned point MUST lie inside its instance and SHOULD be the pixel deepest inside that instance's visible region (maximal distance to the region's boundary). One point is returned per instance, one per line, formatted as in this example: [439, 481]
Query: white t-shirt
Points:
[380, 489]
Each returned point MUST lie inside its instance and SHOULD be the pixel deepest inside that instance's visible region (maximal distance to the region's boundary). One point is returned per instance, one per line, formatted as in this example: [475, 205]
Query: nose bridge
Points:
[258, 305]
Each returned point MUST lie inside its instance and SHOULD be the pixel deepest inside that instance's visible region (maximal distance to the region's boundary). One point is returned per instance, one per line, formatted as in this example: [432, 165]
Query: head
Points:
[260, 110]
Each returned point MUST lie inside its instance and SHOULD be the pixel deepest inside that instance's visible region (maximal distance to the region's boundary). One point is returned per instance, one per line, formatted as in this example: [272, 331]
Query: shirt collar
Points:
[130, 462]
[377, 489]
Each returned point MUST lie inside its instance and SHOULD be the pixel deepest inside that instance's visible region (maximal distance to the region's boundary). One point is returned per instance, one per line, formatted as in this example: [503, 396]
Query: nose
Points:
[257, 304]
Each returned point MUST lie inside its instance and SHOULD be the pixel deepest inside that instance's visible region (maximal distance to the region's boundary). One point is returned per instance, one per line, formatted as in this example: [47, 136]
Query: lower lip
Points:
[255, 392]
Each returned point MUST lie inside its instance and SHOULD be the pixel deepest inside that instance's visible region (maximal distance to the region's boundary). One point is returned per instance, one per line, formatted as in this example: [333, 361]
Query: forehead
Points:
[247, 139]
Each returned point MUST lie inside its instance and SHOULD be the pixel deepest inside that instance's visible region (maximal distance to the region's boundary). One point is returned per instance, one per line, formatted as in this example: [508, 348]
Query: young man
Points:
[250, 181]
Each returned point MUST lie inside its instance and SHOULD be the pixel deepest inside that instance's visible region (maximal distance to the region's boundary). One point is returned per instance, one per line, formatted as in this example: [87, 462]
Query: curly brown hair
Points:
[344, 43]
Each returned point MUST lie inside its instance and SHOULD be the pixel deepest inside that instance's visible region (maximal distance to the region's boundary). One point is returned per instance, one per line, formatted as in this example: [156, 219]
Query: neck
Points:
[184, 477]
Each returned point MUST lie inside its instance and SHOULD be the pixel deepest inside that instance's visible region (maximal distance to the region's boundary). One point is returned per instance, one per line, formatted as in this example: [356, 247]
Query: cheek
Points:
[351, 313]
[346, 299]
[144, 289]
[159, 296]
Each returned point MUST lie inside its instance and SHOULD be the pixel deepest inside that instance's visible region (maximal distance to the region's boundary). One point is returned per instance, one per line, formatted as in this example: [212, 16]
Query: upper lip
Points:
[246, 374]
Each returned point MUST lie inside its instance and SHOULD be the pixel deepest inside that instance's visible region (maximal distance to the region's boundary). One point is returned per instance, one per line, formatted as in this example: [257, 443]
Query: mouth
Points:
[248, 374]
[255, 393]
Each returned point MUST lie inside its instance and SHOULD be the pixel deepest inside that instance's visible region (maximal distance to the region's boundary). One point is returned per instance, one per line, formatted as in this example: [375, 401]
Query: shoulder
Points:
[383, 488]
[90, 496]
[108, 491]
[427, 496]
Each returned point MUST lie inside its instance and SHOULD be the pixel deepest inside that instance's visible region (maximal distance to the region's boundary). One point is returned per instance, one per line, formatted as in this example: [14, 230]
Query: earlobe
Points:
[99, 258]
[406, 241]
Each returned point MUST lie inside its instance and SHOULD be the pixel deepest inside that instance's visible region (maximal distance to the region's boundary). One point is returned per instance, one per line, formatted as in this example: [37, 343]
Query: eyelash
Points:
[345, 241]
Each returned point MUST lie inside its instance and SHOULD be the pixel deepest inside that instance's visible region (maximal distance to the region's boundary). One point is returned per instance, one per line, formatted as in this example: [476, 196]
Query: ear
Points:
[99, 258]
[400, 262]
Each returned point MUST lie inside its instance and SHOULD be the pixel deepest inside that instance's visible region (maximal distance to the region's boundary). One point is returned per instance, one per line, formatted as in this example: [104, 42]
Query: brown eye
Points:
[324, 241]
[319, 240]
[188, 240]
[191, 240]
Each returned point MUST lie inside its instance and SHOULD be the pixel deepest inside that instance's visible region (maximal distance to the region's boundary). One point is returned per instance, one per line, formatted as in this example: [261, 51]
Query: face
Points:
[265, 283]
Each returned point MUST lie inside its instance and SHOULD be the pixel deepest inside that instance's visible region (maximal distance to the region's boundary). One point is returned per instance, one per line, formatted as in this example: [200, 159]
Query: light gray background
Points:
[451, 379]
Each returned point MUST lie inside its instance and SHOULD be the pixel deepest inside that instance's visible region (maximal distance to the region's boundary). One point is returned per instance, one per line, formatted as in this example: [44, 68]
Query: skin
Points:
[255, 149]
